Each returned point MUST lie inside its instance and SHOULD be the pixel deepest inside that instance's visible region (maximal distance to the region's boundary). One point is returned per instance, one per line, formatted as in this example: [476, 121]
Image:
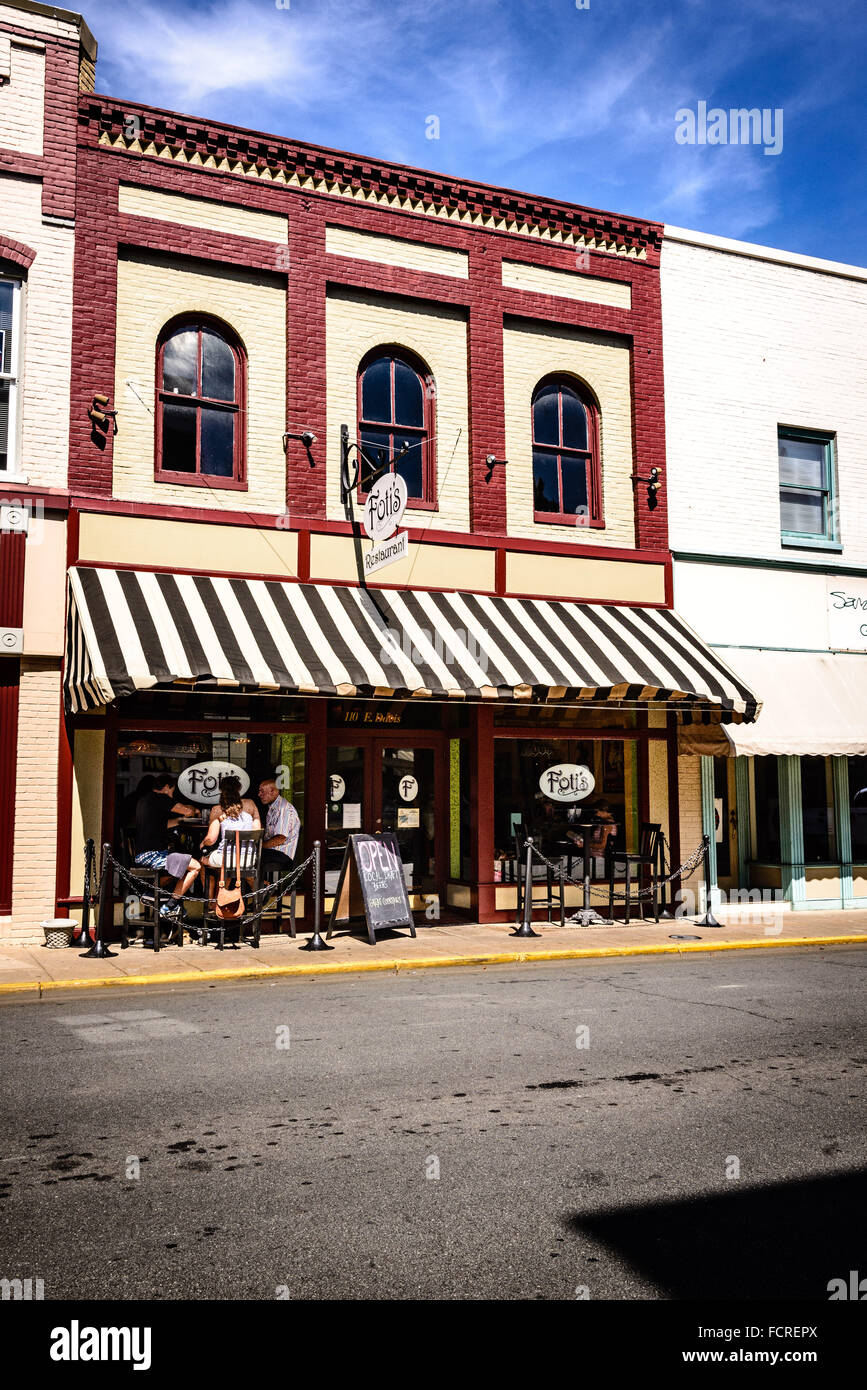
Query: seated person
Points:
[604, 828]
[282, 827]
[155, 815]
[233, 812]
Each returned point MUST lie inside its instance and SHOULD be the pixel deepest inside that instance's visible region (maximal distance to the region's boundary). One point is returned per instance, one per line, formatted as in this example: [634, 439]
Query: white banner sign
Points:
[386, 554]
[847, 614]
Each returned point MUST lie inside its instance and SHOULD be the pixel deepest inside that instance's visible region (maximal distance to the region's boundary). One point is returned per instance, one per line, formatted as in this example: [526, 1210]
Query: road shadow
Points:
[784, 1240]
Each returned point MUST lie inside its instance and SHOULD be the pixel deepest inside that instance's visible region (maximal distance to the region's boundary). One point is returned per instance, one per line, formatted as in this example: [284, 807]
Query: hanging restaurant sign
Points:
[384, 506]
[381, 555]
[202, 781]
[567, 782]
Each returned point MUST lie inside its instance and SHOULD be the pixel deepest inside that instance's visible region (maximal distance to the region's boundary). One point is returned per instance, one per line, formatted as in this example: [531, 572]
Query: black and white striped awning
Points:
[131, 630]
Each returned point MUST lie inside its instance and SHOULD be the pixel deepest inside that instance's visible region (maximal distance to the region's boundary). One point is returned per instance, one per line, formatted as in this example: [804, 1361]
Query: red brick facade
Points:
[102, 230]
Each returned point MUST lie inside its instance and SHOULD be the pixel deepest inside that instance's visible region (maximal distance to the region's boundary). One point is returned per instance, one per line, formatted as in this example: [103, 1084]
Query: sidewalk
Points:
[35, 969]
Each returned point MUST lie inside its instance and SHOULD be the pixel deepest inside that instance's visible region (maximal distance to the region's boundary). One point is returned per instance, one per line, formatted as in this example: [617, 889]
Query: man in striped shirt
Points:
[282, 827]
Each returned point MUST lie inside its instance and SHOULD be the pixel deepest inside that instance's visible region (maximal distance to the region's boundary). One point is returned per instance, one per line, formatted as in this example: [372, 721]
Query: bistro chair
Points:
[553, 889]
[647, 861]
[250, 842]
[274, 910]
[134, 919]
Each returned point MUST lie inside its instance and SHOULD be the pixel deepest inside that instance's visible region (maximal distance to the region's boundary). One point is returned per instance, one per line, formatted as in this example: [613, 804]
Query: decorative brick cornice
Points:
[252, 155]
[16, 252]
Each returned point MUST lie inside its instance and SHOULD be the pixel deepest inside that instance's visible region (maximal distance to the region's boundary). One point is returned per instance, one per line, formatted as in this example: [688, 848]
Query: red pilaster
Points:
[482, 810]
[305, 360]
[487, 429]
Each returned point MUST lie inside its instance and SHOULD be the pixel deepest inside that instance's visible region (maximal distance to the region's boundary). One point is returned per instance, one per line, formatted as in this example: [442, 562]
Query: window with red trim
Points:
[395, 424]
[565, 455]
[200, 405]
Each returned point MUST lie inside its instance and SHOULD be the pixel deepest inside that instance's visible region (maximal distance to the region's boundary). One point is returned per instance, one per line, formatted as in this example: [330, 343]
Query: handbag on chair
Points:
[229, 905]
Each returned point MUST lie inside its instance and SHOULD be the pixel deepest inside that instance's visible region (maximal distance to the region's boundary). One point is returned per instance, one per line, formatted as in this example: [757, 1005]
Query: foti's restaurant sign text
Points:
[567, 782]
[202, 781]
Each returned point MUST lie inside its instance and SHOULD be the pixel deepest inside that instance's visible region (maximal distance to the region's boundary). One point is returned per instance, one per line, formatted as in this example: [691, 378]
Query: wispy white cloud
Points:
[532, 93]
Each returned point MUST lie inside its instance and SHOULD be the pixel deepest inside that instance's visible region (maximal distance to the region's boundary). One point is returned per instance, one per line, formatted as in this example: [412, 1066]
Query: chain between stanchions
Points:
[277, 889]
[683, 871]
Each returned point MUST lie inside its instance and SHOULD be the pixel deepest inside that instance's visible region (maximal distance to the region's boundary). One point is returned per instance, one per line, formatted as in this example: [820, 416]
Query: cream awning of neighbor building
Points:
[812, 703]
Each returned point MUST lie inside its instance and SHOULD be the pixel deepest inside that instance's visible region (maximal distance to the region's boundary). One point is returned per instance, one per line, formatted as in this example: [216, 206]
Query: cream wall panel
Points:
[150, 543]
[749, 345]
[566, 576]
[22, 99]
[86, 822]
[357, 322]
[657, 759]
[43, 435]
[35, 854]
[45, 588]
[202, 212]
[568, 284]
[369, 246]
[532, 352]
[426, 566]
[153, 289]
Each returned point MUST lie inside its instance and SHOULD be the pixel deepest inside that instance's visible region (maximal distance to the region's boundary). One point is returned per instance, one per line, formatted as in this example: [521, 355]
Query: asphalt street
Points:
[654, 1128]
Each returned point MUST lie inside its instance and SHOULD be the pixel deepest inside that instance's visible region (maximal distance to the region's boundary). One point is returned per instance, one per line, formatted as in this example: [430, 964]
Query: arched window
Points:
[395, 423]
[200, 404]
[566, 484]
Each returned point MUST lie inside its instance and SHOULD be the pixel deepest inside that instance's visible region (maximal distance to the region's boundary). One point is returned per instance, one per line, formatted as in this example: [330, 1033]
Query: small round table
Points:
[586, 916]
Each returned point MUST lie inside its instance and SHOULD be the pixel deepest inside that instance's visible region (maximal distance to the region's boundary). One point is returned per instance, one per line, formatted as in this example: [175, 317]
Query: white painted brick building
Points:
[766, 351]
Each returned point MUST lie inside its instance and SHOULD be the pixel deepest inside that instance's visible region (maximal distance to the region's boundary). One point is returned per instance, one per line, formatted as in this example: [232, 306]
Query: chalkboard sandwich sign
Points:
[372, 886]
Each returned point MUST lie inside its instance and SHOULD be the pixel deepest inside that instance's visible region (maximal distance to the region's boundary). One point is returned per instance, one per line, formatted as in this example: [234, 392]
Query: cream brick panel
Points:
[153, 289]
[46, 24]
[193, 545]
[531, 352]
[566, 283]
[749, 345]
[202, 212]
[368, 246]
[357, 322]
[22, 101]
[47, 338]
[689, 782]
[33, 866]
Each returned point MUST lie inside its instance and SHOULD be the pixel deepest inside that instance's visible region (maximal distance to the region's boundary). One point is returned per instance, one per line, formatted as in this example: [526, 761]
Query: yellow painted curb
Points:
[258, 972]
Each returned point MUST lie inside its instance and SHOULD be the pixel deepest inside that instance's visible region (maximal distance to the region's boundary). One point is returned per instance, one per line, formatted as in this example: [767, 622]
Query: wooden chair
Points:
[133, 921]
[647, 860]
[251, 879]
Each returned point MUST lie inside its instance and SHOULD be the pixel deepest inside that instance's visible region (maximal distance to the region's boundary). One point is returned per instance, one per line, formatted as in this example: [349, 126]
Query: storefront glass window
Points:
[858, 808]
[142, 756]
[519, 801]
[817, 800]
[767, 816]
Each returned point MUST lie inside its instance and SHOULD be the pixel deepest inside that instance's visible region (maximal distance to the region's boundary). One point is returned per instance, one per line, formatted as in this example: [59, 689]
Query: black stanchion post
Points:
[99, 950]
[525, 929]
[316, 942]
[708, 920]
[82, 936]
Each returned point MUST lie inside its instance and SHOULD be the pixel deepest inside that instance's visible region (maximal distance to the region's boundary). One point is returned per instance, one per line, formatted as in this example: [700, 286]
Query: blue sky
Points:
[538, 95]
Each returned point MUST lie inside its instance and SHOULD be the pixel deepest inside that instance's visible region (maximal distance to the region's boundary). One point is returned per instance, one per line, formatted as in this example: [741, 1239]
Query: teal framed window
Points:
[808, 502]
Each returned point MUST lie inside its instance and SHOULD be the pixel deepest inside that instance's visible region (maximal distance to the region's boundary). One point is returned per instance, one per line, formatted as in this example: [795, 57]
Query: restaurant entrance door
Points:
[394, 783]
